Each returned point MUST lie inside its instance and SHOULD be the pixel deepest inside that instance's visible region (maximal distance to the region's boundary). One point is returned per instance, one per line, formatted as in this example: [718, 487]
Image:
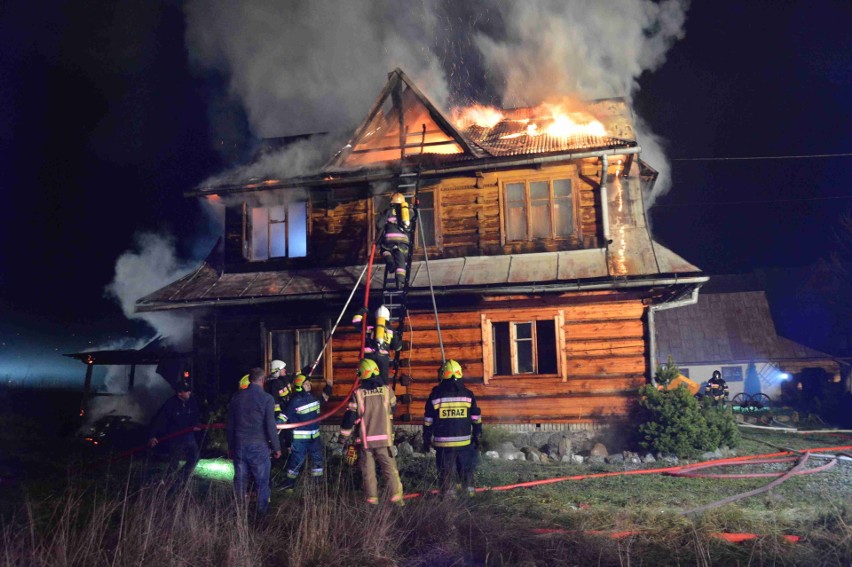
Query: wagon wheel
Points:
[761, 400]
[742, 400]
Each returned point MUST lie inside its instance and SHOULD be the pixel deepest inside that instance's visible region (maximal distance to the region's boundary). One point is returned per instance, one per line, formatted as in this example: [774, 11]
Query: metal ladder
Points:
[393, 298]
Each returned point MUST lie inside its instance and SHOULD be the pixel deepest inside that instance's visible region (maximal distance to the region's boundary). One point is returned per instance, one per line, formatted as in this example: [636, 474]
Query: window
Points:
[298, 348]
[426, 222]
[732, 373]
[538, 209]
[518, 345]
[278, 231]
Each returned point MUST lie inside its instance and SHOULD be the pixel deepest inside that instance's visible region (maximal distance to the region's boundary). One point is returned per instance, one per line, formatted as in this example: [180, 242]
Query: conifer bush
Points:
[675, 422]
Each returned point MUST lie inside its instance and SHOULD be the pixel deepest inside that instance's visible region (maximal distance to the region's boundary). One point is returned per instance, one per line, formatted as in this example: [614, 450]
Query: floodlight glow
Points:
[215, 469]
[783, 376]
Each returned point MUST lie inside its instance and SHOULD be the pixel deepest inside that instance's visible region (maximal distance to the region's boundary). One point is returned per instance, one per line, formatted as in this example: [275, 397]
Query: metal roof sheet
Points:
[206, 285]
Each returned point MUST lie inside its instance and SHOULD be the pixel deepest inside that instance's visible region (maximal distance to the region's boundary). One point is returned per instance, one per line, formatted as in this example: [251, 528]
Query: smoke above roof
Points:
[299, 67]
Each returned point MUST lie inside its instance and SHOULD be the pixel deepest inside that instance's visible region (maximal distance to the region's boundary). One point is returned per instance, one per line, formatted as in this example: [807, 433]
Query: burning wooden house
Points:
[534, 248]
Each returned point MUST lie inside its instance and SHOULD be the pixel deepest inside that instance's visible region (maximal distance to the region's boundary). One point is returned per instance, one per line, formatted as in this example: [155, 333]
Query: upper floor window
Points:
[278, 231]
[539, 209]
[427, 211]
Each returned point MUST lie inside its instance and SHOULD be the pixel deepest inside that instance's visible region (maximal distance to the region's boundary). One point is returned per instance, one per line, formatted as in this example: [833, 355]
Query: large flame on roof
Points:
[557, 119]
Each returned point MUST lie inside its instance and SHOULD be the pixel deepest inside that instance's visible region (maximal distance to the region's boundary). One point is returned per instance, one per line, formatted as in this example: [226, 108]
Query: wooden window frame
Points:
[439, 238]
[522, 316]
[527, 180]
[248, 229]
[325, 361]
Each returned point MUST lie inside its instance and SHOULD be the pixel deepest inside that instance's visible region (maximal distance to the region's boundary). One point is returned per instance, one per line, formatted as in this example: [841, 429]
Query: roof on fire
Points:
[403, 126]
[543, 271]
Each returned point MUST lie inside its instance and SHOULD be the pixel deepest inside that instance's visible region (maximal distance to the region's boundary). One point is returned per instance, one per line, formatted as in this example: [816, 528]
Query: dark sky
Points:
[103, 126]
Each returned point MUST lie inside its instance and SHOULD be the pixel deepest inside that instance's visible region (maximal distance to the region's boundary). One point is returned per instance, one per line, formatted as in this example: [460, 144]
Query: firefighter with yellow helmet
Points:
[303, 408]
[452, 424]
[395, 227]
[380, 340]
[371, 410]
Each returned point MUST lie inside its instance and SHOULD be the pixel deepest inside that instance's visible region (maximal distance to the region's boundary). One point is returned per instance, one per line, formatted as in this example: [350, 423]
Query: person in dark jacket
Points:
[452, 424]
[180, 413]
[252, 435]
[303, 406]
[278, 386]
[395, 228]
[717, 388]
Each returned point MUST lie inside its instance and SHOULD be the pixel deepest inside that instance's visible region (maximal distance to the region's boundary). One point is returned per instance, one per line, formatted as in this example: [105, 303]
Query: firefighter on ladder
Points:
[395, 226]
[452, 423]
[371, 411]
[380, 340]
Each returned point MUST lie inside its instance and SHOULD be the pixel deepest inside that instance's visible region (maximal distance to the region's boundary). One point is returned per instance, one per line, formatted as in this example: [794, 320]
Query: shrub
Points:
[674, 422]
[667, 372]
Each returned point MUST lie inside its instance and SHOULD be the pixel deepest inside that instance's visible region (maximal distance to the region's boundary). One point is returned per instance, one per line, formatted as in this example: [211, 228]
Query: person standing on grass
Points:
[180, 413]
[252, 435]
[452, 423]
[371, 409]
[302, 407]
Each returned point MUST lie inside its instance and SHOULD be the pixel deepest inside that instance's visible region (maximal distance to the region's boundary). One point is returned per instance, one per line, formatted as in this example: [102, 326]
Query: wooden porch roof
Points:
[541, 272]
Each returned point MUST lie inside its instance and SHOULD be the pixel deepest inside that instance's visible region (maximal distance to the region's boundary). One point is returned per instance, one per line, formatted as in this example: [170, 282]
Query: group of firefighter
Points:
[452, 422]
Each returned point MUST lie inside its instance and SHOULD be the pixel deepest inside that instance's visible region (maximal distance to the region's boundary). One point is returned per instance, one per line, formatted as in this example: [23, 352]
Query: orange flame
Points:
[477, 115]
[557, 119]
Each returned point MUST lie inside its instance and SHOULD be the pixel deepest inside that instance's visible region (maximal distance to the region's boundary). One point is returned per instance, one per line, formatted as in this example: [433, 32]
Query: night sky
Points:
[104, 123]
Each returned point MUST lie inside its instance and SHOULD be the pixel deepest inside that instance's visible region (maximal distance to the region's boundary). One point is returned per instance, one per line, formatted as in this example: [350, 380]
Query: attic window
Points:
[278, 231]
[538, 209]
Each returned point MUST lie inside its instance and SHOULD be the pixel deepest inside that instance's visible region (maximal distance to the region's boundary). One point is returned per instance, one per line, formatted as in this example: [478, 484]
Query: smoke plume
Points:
[302, 67]
[150, 265]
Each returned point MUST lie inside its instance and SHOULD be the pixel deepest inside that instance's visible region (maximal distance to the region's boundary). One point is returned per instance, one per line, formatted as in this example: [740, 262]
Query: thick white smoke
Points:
[151, 264]
[303, 67]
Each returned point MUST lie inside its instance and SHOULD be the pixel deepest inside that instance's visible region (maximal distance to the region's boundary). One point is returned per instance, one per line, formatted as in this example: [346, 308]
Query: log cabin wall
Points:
[472, 217]
[469, 212]
[601, 362]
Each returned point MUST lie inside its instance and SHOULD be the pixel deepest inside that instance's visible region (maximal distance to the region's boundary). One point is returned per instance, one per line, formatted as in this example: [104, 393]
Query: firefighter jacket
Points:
[452, 418]
[396, 234]
[280, 392]
[303, 406]
[717, 389]
[176, 415]
[372, 345]
[371, 411]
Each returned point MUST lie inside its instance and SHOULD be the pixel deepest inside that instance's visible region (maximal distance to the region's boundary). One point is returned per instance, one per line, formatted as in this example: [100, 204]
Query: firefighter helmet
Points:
[717, 374]
[244, 382]
[277, 366]
[451, 369]
[367, 368]
[397, 199]
[299, 381]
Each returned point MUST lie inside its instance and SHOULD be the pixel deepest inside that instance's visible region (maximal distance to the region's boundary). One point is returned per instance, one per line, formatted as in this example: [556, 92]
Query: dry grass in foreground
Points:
[326, 524]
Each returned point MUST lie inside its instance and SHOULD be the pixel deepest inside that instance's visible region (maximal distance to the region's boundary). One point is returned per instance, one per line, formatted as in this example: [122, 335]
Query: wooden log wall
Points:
[603, 353]
[470, 219]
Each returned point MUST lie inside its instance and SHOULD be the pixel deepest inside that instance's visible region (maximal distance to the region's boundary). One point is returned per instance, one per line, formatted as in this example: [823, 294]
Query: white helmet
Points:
[277, 366]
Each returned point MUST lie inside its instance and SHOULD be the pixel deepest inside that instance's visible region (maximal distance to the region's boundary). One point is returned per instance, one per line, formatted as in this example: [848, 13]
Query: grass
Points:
[118, 516]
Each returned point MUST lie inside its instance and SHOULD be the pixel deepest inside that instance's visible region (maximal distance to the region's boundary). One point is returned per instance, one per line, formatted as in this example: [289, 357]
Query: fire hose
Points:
[330, 412]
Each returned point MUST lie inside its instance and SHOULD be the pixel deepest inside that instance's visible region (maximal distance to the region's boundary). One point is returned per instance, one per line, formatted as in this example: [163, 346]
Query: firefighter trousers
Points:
[383, 457]
[455, 462]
